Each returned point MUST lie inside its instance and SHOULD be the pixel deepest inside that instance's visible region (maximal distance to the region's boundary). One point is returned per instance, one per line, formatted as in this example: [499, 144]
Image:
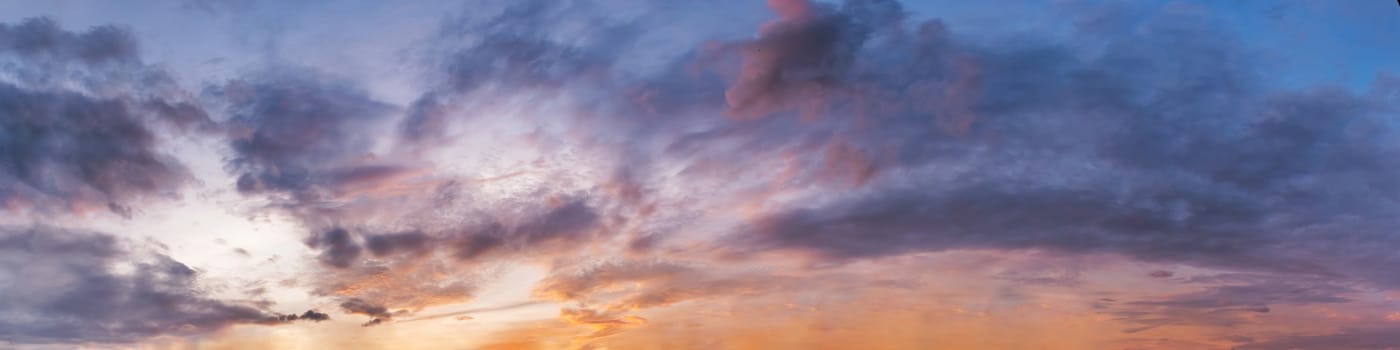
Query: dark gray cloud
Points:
[1006, 216]
[542, 229]
[1367, 338]
[838, 93]
[357, 306]
[304, 140]
[79, 120]
[216, 7]
[297, 132]
[378, 313]
[309, 315]
[548, 228]
[1228, 301]
[42, 40]
[513, 50]
[566, 222]
[474, 245]
[407, 271]
[403, 242]
[808, 51]
[338, 248]
[73, 148]
[69, 286]
[1154, 138]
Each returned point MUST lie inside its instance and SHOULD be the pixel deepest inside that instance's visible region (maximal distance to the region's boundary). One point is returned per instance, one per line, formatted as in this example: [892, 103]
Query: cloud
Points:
[603, 323]
[79, 151]
[72, 286]
[41, 39]
[514, 50]
[438, 261]
[1164, 146]
[886, 302]
[464, 315]
[378, 313]
[80, 120]
[1149, 138]
[581, 285]
[309, 315]
[1228, 304]
[544, 227]
[990, 216]
[1153, 139]
[404, 242]
[297, 132]
[566, 222]
[392, 227]
[612, 291]
[440, 265]
[216, 7]
[859, 60]
[337, 247]
[1352, 338]
[809, 49]
[356, 306]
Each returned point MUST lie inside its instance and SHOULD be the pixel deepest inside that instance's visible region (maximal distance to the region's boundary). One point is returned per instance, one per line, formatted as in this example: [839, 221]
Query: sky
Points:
[675, 174]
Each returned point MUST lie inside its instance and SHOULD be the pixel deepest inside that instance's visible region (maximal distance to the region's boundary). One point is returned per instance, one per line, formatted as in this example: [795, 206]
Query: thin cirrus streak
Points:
[622, 174]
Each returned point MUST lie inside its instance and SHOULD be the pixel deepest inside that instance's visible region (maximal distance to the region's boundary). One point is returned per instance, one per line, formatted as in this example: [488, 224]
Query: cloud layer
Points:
[1134, 171]
[81, 117]
[71, 287]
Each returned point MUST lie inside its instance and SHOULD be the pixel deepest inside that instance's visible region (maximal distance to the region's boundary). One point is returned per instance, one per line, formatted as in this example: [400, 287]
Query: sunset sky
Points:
[687, 174]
